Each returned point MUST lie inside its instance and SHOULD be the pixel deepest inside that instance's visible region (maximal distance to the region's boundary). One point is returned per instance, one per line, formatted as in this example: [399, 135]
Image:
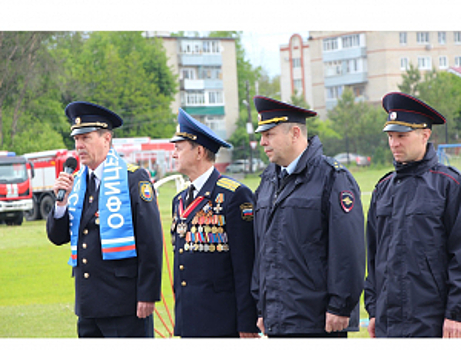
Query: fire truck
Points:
[15, 187]
[47, 166]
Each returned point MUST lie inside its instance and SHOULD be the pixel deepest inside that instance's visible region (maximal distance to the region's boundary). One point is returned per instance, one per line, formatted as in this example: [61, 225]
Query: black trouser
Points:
[112, 327]
[311, 335]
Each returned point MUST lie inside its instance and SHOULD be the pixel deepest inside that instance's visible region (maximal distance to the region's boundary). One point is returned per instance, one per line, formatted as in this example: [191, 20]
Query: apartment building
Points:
[369, 62]
[208, 90]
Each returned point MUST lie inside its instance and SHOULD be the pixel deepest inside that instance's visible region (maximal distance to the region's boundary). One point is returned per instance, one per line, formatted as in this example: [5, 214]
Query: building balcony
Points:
[201, 84]
[204, 110]
[344, 54]
[346, 79]
[199, 60]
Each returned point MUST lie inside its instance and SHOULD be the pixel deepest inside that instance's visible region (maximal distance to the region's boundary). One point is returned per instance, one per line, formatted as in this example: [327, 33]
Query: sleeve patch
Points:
[247, 211]
[145, 191]
[347, 200]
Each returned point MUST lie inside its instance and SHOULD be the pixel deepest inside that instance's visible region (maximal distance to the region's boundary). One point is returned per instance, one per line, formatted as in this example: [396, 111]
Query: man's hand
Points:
[260, 325]
[335, 323]
[249, 335]
[63, 182]
[451, 329]
[371, 328]
[145, 308]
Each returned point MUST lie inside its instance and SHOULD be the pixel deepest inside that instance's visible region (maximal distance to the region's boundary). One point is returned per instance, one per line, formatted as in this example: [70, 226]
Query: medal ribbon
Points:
[185, 213]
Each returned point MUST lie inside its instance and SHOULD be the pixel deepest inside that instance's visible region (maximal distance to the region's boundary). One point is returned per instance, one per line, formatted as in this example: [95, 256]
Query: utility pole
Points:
[249, 125]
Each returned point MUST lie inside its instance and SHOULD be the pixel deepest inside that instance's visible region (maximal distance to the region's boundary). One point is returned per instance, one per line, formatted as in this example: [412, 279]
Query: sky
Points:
[265, 24]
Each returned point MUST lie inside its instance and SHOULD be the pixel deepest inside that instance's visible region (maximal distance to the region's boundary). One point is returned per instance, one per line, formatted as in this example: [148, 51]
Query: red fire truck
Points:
[47, 166]
[15, 187]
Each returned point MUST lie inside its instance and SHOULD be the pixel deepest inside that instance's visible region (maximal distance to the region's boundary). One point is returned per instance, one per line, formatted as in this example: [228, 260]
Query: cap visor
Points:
[80, 131]
[177, 139]
[265, 127]
[397, 128]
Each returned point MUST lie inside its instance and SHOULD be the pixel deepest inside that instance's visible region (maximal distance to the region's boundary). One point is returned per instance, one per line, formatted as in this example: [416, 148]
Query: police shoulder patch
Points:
[227, 183]
[347, 200]
[247, 211]
[131, 167]
[334, 163]
[146, 191]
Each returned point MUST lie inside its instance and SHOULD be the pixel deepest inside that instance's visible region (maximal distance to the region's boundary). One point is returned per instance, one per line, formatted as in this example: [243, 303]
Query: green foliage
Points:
[410, 82]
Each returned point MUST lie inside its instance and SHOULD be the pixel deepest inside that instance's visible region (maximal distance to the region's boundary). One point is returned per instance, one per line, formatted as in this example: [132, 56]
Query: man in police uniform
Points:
[413, 287]
[110, 216]
[309, 228]
[212, 233]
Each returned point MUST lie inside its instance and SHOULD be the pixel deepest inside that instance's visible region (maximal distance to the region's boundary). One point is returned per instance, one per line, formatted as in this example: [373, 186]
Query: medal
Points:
[186, 246]
[219, 247]
[206, 248]
[97, 221]
[181, 229]
[212, 248]
[214, 229]
[193, 229]
[207, 229]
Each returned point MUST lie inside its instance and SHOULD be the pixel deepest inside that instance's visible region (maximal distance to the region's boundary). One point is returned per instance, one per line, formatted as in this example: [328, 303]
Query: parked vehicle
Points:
[353, 158]
[243, 165]
[15, 187]
[47, 165]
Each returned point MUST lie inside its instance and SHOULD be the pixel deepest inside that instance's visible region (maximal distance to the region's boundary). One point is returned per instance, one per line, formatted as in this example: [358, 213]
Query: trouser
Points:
[112, 327]
[311, 335]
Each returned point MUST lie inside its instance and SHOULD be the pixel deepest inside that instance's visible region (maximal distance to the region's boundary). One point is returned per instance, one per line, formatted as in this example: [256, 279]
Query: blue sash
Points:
[116, 225]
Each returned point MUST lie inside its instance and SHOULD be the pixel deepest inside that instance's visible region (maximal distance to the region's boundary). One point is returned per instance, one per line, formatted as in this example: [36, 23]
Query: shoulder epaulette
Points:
[454, 169]
[132, 168]
[385, 177]
[334, 163]
[227, 183]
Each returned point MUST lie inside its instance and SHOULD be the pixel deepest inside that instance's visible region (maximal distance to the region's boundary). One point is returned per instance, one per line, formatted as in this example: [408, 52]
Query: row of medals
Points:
[222, 246]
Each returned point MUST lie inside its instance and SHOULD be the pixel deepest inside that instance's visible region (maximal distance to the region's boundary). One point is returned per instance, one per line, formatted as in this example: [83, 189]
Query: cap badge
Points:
[77, 120]
[259, 117]
[393, 116]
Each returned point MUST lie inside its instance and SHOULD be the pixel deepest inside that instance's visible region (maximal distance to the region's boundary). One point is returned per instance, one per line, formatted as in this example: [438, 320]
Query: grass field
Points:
[36, 288]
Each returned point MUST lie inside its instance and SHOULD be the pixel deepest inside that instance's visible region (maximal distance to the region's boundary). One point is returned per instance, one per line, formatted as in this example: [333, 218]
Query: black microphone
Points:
[69, 167]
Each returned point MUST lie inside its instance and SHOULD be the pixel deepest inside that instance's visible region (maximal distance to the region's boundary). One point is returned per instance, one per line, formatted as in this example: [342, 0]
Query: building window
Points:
[358, 90]
[296, 62]
[215, 97]
[210, 73]
[334, 92]
[298, 85]
[422, 37]
[351, 41]
[187, 73]
[403, 38]
[458, 61]
[443, 62]
[333, 68]
[424, 63]
[442, 38]
[211, 46]
[330, 44]
[457, 37]
[193, 98]
[404, 63]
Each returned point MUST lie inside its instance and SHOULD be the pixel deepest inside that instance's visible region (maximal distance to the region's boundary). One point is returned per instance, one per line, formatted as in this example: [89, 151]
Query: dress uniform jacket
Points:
[108, 288]
[213, 261]
[414, 249]
[310, 255]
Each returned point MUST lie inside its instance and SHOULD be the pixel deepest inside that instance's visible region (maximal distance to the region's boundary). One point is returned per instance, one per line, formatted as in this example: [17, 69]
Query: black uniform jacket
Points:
[107, 288]
[310, 254]
[414, 249]
[212, 268]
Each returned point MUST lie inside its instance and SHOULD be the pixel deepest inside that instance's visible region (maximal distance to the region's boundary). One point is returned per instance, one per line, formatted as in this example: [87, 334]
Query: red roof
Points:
[455, 70]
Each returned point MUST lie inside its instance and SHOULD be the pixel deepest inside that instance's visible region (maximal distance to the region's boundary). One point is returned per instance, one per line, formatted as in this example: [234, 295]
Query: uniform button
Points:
[84, 261]
[181, 267]
[85, 231]
[84, 245]
[183, 283]
[86, 275]
[181, 250]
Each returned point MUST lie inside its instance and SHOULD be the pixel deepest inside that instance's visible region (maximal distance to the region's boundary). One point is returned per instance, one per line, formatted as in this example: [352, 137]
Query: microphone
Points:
[69, 167]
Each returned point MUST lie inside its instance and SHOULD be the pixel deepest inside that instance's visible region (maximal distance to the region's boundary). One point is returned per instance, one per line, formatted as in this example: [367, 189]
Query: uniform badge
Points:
[393, 116]
[247, 211]
[347, 200]
[145, 191]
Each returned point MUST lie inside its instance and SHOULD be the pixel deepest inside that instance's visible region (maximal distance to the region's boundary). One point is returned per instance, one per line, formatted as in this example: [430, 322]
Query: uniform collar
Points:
[201, 180]
[430, 159]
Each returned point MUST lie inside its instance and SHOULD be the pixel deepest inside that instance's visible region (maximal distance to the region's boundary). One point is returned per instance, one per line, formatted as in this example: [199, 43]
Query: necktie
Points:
[190, 195]
[92, 185]
[284, 174]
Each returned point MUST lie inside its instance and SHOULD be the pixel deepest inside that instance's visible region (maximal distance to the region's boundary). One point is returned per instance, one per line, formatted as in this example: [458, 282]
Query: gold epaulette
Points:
[132, 167]
[227, 183]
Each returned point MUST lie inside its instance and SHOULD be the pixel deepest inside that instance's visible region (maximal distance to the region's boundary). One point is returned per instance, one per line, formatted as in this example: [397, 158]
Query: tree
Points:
[411, 80]
[126, 73]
